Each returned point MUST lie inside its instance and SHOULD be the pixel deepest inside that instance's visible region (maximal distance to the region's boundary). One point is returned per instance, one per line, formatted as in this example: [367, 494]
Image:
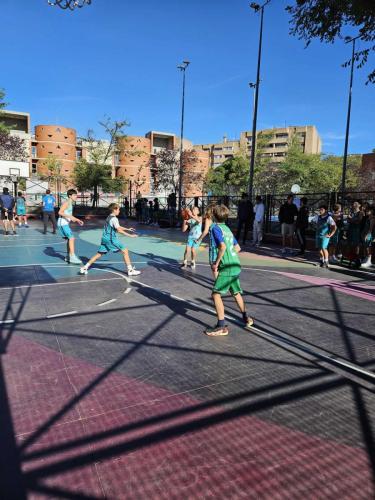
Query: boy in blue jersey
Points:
[21, 209]
[48, 209]
[111, 243]
[227, 265]
[65, 218]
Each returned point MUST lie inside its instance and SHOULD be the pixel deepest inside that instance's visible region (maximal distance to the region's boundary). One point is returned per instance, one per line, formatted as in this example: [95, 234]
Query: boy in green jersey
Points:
[228, 267]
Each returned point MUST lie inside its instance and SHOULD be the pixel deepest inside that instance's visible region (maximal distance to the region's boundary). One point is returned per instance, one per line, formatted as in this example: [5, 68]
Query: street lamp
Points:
[256, 7]
[69, 4]
[345, 159]
[182, 67]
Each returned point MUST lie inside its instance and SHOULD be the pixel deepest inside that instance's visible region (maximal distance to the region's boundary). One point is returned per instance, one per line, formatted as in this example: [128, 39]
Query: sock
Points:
[221, 323]
[326, 260]
[130, 267]
[244, 316]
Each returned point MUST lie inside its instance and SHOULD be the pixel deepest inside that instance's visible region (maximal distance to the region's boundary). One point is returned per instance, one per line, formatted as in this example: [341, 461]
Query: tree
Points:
[12, 147]
[95, 171]
[328, 19]
[165, 167]
[53, 166]
[3, 127]
[229, 178]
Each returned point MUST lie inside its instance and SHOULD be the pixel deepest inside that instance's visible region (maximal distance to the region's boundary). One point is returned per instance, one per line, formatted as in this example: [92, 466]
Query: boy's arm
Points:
[127, 232]
[185, 226]
[237, 248]
[71, 218]
[207, 224]
[222, 247]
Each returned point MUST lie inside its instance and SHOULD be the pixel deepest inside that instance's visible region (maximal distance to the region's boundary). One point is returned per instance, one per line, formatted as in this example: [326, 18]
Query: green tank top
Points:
[230, 264]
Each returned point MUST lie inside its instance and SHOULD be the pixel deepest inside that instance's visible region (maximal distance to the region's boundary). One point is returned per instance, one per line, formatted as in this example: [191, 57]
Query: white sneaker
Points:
[19, 225]
[192, 265]
[84, 270]
[133, 272]
[367, 263]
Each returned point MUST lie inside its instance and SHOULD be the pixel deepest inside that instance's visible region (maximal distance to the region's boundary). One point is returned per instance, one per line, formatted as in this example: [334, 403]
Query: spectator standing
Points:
[302, 224]
[156, 211]
[258, 221]
[354, 230]
[48, 209]
[287, 216]
[244, 216]
[368, 235]
[126, 207]
[7, 203]
[334, 242]
[151, 212]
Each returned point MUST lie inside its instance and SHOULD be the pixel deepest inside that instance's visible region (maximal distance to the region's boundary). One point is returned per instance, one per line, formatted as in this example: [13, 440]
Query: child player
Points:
[369, 235]
[194, 224]
[208, 225]
[21, 210]
[65, 218]
[228, 266]
[111, 243]
[325, 229]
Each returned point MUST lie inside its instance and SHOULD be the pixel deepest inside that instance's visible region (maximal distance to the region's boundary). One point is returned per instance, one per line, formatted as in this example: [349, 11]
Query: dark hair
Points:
[323, 205]
[290, 197]
[304, 200]
[5, 190]
[19, 193]
[70, 192]
[113, 207]
[258, 198]
[48, 191]
[244, 195]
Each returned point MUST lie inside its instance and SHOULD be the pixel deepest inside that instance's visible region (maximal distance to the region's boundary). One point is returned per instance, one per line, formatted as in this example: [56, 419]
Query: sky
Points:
[119, 58]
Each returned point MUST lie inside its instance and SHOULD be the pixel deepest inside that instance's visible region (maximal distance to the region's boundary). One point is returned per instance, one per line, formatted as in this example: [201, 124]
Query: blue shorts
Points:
[66, 232]
[368, 241]
[192, 243]
[322, 242]
[21, 211]
[113, 245]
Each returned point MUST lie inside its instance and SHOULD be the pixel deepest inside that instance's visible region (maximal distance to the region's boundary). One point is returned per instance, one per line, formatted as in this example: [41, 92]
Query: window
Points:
[228, 148]
[33, 151]
[281, 136]
[33, 168]
[117, 158]
[281, 145]
[78, 154]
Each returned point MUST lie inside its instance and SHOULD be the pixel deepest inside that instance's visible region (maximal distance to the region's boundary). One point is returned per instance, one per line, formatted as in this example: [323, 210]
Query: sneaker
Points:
[84, 270]
[183, 265]
[217, 331]
[6, 233]
[19, 224]
[192, 265]
[15, 233]
[133, 272]
[73, 259]
[66, 258]
[367, 264]
[334, 258]
[325, 265]
[249, 322]
[26, 225]
[321, 263]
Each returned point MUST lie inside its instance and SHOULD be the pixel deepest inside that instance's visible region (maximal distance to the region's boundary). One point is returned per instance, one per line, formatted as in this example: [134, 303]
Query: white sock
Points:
[130, 267]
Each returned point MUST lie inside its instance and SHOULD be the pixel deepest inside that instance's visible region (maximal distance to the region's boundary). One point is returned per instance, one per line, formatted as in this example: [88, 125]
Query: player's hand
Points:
[327, 236]
[80, 222]
[214, 267]
[130, 229]
[133, 235]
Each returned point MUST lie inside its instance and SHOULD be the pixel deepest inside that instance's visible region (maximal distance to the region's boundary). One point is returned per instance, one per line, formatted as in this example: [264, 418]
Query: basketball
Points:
[185, 214]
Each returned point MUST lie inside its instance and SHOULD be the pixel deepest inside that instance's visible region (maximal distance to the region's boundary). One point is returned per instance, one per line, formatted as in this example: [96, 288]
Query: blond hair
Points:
[113, 207]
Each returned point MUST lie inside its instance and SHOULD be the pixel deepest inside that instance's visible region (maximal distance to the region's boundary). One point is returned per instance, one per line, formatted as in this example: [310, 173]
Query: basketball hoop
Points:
[69, 4]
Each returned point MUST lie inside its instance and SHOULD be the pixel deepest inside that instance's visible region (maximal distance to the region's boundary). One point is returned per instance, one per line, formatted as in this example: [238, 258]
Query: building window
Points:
[228, 148]
[117, 158]
[33, 151]
[33, 168]
[281, 136]
[78, 154]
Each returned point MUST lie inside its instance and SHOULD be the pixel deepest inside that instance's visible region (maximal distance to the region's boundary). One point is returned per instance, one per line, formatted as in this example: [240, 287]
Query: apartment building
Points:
[278, 140]
[134, 159]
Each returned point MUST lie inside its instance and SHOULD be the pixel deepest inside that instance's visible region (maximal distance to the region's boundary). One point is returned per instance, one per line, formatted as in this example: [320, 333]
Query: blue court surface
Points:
[110, 389]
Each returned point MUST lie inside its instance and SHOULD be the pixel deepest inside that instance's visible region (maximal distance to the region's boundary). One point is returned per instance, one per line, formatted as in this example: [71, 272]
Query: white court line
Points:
[6, 321]
[85, 282]
[68, 313]
[128, 290]
[107, 301]
[40, 264]
[280, 339]
[33, 245]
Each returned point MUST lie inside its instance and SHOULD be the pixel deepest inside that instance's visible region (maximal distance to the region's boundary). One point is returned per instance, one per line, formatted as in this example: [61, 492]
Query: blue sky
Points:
[119, 58]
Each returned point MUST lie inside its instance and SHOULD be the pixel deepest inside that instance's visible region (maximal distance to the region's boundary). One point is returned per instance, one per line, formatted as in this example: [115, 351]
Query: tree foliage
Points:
[12, 147]
[328, 20]
[95, 171]
[165, 169]
[3, 104]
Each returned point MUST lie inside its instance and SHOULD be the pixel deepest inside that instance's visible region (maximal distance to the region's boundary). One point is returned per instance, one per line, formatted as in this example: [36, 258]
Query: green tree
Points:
[95, 171]
[327, 20]
[230, 178]
[54, 176]
[166, 169]
[3, 104]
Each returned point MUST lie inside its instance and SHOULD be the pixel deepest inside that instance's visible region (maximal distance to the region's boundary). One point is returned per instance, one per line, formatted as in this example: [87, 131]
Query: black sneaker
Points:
[217, 331]
[326, 266]
[6, 233]
[321, 264]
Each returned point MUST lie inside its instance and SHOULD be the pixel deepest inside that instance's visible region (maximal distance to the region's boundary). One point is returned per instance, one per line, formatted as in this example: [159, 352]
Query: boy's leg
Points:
[53, 220]
[71, 246]
[45, 222]
[88, 264]
[219, 306]
[184, 263]
[128, 263]
[193, 256]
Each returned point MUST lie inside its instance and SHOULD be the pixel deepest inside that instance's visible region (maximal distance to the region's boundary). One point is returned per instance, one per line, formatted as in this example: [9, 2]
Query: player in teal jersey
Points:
[21, 209]
[111, 243]
[228, 267]
[194, 224]
[208, 226]
[65, 218]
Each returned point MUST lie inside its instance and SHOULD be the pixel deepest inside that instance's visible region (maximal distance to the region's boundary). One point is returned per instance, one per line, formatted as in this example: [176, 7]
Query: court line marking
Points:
[33, 245]
[67, 313]
[6, 321]
[62, 264]
[128, 290]
[107, 301]
[280, 339]
[58, 284]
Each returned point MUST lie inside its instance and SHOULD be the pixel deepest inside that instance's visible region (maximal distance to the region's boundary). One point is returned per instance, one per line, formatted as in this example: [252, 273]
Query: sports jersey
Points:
[6, 201]
[195, 229]
[110, 228]
[63, 221]
[323, 224]
[20, 200]
[48, 203]
[230, 263]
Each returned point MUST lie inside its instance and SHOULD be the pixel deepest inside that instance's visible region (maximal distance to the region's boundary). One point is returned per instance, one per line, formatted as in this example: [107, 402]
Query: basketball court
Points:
[110, 389]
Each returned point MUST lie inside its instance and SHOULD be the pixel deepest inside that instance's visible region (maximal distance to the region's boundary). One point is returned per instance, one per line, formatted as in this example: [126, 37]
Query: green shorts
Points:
[225, 284]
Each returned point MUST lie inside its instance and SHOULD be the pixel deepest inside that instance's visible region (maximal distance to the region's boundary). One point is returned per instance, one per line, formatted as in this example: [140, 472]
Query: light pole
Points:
[69, 4]
[345, 159]
[256, 8]
[182, 67]
[253, 86]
